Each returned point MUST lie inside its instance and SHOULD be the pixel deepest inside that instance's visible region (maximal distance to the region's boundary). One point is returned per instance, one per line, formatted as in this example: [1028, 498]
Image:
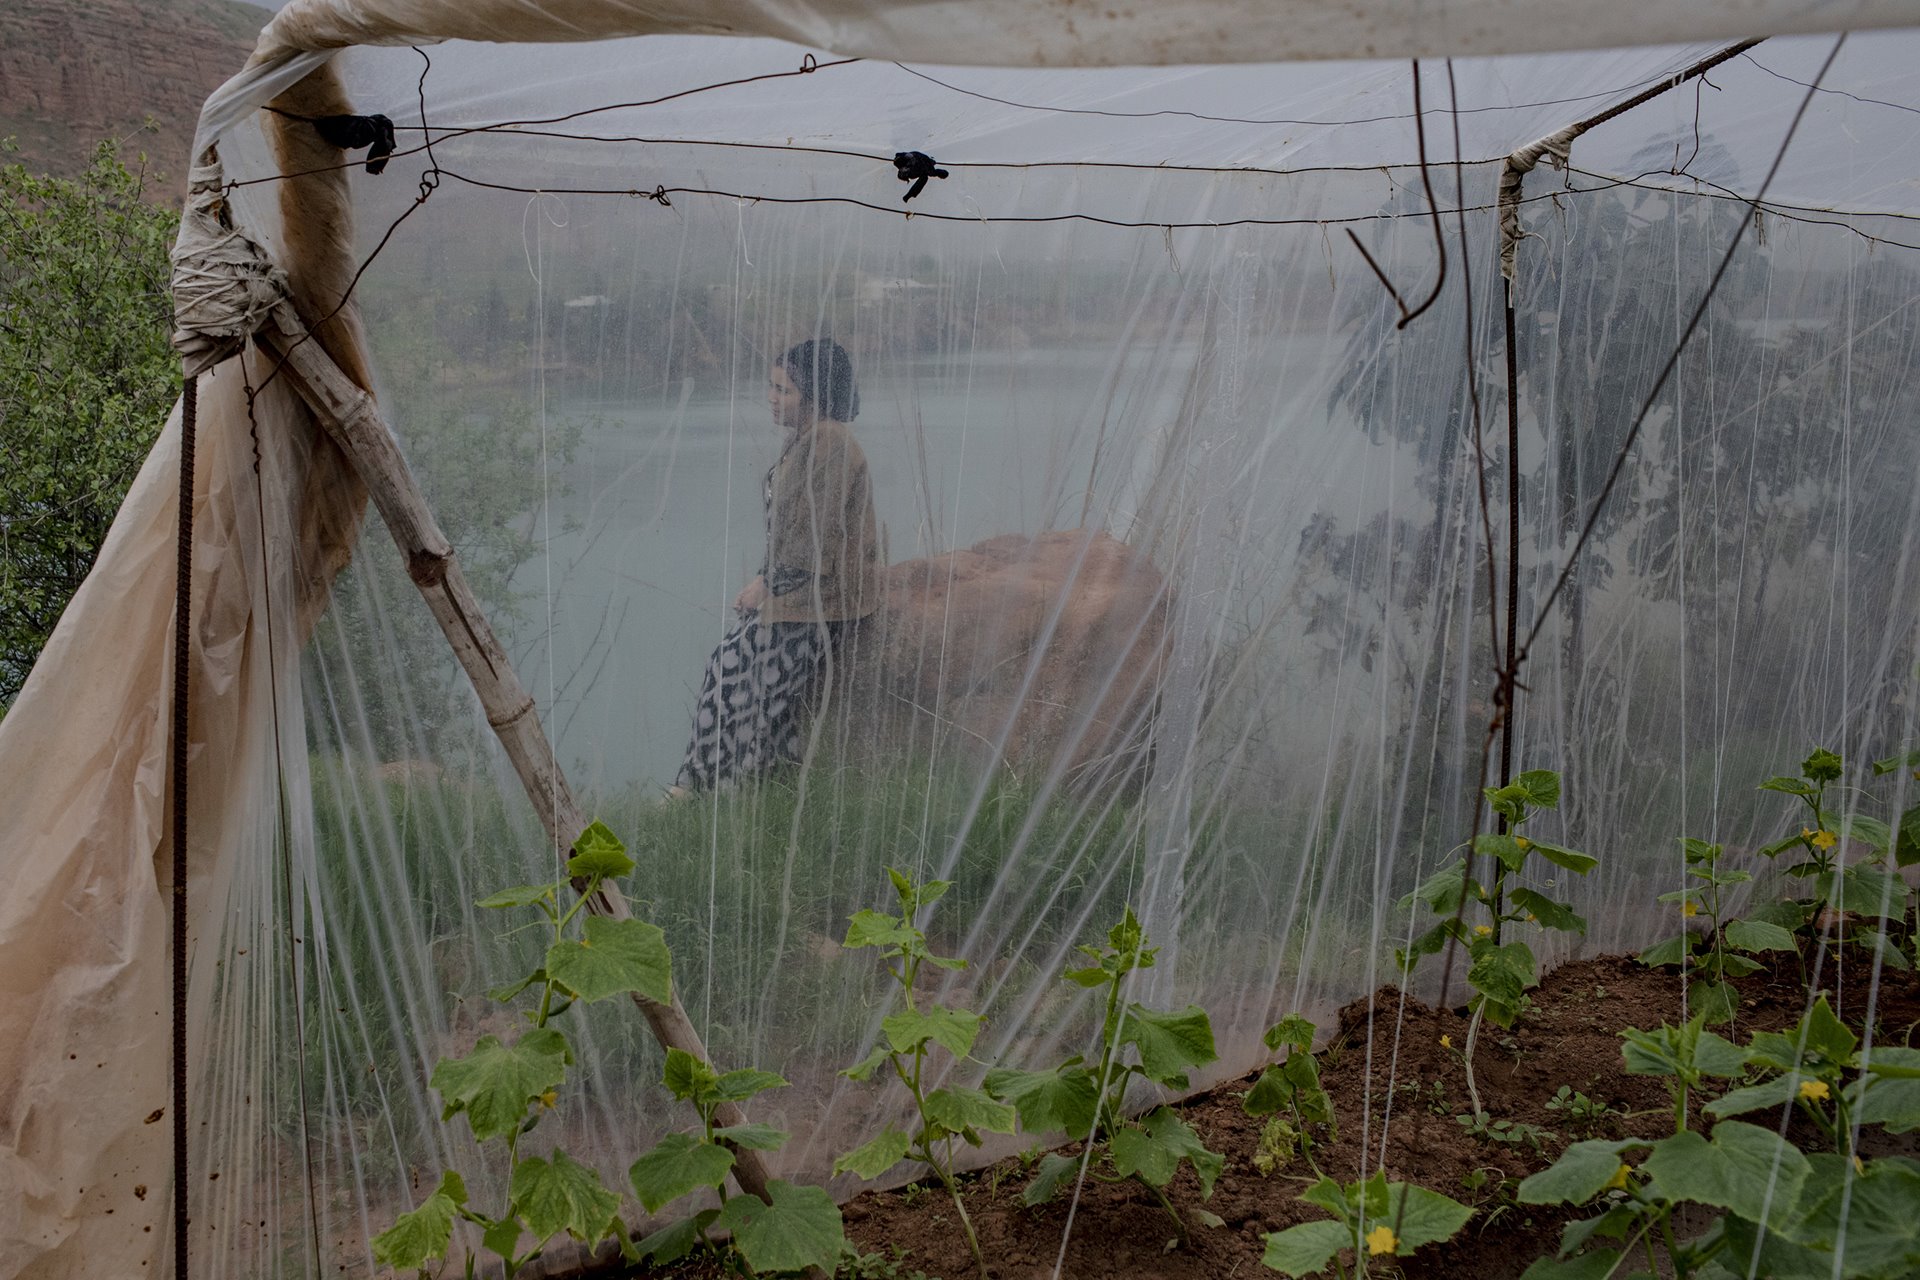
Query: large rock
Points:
[1043, 652]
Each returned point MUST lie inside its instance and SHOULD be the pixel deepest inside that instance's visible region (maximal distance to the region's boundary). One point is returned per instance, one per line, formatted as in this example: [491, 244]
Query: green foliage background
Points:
[86, 380]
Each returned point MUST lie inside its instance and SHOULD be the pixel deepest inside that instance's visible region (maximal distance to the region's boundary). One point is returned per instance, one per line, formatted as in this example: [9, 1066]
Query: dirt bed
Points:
[1409, 1085]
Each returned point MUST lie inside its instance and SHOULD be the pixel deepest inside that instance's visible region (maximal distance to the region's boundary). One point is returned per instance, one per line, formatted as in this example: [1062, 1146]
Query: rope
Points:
[183, 598]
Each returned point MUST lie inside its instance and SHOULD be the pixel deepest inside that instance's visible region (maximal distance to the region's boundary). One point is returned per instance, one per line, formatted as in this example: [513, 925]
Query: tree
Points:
[86, 380]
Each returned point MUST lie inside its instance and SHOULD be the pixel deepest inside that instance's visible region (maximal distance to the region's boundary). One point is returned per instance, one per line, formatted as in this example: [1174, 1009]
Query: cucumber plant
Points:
[504, 1090]
[1861, 898]
[908, 1040]
[1289, 1094]
[794, 1229]
[1709, 958]
[1087, 1100]
[1500, 971]
[1770, 1208]
[1372, 1218]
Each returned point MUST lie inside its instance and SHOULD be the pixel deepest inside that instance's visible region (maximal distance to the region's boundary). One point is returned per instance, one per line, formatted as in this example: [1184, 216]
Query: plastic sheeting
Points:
[1130, 317]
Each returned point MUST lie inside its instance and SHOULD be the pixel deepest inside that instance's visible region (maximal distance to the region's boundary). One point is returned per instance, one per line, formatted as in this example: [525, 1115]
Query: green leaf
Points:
[563, 1195]
[1868, 831]
[1569, 859]
[1885, 947]
[1421, 1217]
[1542, 787]
[1505, 848]
[597, 852]
[865, 1068]
[1672, 951]
[686, 1076]
[1292, 1029]
[670, 1244]
[1888, 1091]
[521, 895]
[1866, 1218]
[1062, 1099]
[503, 1237]
[508, 991]
[1822, 766]
[1503, 972]
[1747, 1170]
[1788, 915]
[872, 929]
[680, 1163]
[1547, 913]
[1871, 891]
[1429, 943]
[871, 1159]
[1825, 1035]
[1153, 1149]
[1911, 760]
[1758, 935]
[738, 1086]
[1581, 1173]
[967, 1112]
[1598, 1265]
[424, 1232]
[952, 1029]
[1307, 1249]
[1510, 801]
[1440, 891]
[494, 1083]
[1169, 1043]
[1054, 1170]
[1716, 1002]
[753, 1137]
[1773, 1093]
[1790, 786]
[1906, 843]
[800, 1229]
[614, 958]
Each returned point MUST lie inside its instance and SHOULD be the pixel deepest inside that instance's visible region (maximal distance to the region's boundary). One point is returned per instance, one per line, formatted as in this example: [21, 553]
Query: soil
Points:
[1408, 1085]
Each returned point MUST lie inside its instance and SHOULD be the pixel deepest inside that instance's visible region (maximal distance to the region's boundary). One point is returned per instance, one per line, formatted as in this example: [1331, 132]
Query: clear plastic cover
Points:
[1187, 591]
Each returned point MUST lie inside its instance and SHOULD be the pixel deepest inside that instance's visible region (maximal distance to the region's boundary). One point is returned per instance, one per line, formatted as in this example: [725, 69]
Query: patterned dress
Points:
[760, 686]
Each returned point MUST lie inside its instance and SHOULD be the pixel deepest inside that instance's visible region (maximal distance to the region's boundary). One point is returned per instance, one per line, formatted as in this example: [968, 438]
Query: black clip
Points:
[915, 167]
[350, 133]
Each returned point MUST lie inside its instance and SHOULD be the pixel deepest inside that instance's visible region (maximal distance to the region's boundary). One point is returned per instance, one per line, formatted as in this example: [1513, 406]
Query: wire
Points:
[1315, 124]
[1841, 93]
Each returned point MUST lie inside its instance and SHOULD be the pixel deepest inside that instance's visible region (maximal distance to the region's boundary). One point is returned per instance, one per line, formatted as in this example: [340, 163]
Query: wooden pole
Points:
[351, 417]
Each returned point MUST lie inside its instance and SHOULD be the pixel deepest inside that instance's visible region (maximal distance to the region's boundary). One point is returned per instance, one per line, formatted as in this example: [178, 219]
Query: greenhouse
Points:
[989, 639]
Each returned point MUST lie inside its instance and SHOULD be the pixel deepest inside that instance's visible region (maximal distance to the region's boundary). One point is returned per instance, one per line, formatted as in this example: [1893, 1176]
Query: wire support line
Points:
[1839, 93]
[1276, 120]
[808, 66]
[878, 158]
[1666, 371]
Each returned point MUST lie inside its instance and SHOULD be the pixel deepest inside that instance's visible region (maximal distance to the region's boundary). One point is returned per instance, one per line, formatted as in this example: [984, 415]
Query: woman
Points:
[820, 576]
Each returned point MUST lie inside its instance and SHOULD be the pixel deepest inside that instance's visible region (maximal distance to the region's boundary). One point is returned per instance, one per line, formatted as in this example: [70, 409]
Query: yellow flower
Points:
[1824, 839]
[1860, 1166]
[1482, 930]
[1524, 843]
[1446, 1042]
[548, 1098]
[1618, 1182]
[1689, 908]
[1381, 1240]
[1532, 918]
[1814, 1091]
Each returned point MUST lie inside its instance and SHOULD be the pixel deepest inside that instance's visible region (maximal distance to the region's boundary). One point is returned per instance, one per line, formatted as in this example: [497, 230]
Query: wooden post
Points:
[350, 416]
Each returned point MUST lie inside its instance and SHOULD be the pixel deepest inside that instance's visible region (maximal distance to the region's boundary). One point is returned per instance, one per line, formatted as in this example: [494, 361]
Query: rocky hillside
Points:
[73, 72]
